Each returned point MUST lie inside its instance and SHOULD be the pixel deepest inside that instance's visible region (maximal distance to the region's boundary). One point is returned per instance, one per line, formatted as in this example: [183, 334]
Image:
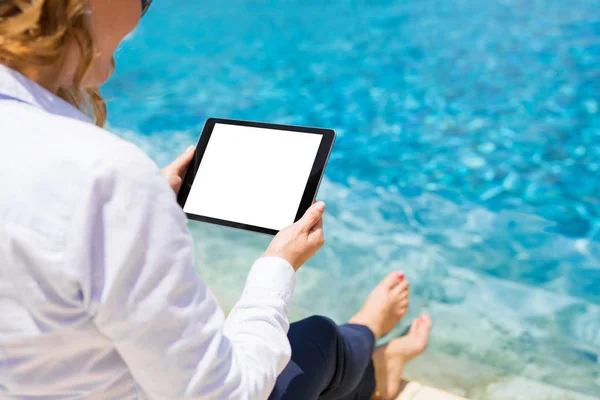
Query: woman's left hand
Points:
[175, 171]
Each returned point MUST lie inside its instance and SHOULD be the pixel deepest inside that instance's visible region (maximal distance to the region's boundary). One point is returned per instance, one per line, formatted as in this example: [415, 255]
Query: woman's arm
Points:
[146, 297]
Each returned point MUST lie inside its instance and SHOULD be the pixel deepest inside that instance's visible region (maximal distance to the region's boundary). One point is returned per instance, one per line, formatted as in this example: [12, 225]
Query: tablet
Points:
[254, 176]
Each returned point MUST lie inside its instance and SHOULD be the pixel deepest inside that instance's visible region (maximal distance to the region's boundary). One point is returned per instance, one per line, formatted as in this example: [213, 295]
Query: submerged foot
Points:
[385, 306]
[389, 360]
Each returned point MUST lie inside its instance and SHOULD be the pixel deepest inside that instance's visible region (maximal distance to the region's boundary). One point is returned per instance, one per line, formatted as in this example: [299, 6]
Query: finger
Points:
[316, 234]
[317, 230]
[311, 216]
[317, 226]
[179, 166]
[175, 182]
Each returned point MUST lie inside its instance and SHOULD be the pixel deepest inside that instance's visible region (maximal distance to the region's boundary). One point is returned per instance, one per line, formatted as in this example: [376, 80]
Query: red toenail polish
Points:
[399, 275]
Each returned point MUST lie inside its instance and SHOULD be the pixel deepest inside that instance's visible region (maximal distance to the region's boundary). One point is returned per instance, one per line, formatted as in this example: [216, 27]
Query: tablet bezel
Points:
[312, 185]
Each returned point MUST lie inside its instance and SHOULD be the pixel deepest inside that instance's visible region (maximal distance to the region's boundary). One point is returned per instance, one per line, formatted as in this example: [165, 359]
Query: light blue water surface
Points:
[468, 155]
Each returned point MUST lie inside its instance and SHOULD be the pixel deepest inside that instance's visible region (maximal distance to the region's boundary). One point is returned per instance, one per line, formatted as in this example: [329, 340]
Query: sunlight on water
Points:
[468, 156]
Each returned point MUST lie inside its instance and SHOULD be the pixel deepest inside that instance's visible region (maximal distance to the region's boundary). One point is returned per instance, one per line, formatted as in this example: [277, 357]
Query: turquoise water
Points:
[468, 156]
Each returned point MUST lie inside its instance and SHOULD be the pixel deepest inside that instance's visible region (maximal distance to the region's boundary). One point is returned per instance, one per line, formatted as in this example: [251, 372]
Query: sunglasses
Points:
[145, 6]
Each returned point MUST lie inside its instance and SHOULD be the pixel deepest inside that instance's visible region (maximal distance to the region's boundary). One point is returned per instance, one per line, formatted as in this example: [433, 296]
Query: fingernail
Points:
[190, 149]
[423, 318]
[320, 206]
[399, 275]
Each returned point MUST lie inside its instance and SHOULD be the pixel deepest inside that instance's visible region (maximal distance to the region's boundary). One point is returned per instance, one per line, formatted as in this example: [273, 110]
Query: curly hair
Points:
[35, 33]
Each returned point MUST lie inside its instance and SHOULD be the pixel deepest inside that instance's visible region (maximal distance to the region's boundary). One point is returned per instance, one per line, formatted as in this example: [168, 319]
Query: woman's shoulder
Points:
[49, 152]
[87, 148]
[56, 164]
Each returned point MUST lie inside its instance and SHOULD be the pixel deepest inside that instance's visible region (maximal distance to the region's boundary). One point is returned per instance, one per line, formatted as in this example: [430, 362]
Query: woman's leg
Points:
[328, 362]
[331, 362]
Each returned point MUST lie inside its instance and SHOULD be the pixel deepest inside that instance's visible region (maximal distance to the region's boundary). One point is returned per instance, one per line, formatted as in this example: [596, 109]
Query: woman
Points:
[98, 294]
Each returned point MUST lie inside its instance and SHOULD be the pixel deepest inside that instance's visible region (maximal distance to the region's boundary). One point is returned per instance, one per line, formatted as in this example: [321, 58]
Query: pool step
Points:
[415, 391]
[456, 378]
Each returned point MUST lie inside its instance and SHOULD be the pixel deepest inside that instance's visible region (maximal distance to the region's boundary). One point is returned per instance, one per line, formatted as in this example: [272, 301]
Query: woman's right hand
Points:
[301, 240]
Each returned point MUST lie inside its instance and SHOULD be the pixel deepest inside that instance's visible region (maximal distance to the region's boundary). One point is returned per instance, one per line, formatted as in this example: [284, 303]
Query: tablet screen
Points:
[253, 176]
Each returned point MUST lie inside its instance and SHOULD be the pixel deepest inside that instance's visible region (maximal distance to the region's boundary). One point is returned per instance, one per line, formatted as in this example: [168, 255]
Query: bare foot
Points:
[389, 360]
[385, 306]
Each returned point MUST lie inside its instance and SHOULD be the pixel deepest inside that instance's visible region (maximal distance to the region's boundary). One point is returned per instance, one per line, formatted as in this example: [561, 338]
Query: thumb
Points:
[312, 216]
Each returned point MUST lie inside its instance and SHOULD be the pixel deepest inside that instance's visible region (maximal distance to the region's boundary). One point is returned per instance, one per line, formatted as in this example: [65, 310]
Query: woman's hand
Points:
[300, 241]
[175, 171]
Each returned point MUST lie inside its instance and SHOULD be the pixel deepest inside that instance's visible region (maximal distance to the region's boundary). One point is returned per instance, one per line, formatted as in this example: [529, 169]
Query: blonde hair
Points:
[35, 33]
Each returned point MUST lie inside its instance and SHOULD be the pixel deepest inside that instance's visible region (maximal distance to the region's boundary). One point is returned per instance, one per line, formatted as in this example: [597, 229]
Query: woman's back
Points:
[51, 162]
[98, 292]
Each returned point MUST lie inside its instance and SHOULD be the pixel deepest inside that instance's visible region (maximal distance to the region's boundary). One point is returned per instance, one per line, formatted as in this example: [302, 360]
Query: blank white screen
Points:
[253, 176]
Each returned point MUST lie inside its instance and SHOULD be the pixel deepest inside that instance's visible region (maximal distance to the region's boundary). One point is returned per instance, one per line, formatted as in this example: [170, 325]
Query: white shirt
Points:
[99, 298]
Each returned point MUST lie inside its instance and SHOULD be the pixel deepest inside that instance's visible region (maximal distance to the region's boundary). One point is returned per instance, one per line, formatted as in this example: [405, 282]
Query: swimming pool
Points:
[468, 156]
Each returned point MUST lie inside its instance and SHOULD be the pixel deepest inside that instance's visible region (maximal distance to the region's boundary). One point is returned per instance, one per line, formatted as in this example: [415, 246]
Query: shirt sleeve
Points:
[146, 297]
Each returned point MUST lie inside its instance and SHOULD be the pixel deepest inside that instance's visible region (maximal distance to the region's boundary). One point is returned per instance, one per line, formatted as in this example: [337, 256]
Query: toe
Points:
[401, 289]
[392, 280]
[424, 323]
[413, 326]
[403, 310]
[403, 297]
[421, 327]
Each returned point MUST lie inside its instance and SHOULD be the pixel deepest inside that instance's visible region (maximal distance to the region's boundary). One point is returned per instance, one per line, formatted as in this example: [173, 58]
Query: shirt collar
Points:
[21, 88]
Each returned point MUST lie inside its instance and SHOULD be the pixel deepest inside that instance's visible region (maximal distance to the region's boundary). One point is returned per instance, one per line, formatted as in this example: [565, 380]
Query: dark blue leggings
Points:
[328, 362]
